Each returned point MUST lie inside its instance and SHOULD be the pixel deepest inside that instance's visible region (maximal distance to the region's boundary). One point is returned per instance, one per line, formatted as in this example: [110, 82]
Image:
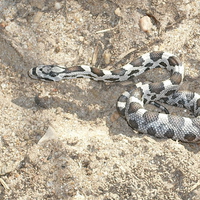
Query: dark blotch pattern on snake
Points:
[130, 104]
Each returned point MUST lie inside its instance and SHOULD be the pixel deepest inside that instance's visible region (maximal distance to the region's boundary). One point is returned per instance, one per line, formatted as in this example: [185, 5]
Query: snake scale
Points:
[130, 104]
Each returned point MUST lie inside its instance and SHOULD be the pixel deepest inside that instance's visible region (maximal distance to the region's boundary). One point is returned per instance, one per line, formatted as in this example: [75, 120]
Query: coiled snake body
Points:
[131, 103]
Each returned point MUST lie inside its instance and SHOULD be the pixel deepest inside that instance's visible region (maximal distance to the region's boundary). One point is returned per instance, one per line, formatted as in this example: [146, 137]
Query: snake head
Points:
[47, 72]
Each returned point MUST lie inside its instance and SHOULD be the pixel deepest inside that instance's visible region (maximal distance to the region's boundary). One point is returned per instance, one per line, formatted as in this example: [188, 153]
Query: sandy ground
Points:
[61, 140]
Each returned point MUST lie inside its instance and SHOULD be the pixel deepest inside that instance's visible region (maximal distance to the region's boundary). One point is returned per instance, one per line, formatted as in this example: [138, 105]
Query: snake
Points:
[131, 104]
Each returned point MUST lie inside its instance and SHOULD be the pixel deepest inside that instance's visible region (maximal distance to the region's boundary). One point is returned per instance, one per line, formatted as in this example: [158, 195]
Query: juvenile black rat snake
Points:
[130, 104]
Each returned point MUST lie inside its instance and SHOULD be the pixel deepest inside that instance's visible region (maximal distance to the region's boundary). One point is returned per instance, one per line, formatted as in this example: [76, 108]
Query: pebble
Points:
[145, 24]
[49, 135]
[107, 57]
[3, 85]
[57, 5]
[3, 24]
[57, 49]
[114, 116]
[81, 38]
[37, 17]
[118, 12]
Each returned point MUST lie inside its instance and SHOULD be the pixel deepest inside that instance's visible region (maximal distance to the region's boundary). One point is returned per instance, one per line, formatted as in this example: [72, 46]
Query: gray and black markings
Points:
[130, 105]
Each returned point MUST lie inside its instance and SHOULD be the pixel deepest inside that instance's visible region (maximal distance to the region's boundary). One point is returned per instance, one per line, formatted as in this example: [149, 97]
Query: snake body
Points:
[130, 104]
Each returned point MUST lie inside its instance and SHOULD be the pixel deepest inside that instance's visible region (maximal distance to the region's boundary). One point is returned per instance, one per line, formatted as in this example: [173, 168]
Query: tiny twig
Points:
[4, 184]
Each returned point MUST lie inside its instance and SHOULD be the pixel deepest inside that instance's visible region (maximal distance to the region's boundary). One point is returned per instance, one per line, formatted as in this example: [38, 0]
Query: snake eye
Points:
[53, 74]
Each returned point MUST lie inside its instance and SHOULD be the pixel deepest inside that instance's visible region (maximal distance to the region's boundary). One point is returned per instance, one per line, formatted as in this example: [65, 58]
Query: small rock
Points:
[107, 57]
[145, 24]
[3, 24]
[37, 17]
[81, 38]
[57, 5]
[118, 12]
[49, 135]
[3, 85]
[57, 49]
[114, 116]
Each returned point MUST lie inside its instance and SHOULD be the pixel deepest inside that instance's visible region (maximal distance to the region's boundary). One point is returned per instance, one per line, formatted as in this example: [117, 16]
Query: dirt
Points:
[62, 140]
